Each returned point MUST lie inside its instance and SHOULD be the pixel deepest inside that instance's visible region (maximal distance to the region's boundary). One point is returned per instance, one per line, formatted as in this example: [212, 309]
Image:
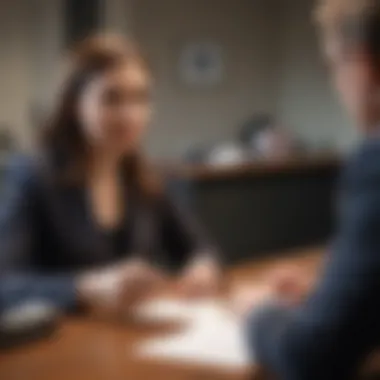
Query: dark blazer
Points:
[47, 235]
[329, 335]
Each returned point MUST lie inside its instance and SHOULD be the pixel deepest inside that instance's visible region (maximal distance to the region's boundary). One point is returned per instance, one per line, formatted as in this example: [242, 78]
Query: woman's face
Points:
[114, 108]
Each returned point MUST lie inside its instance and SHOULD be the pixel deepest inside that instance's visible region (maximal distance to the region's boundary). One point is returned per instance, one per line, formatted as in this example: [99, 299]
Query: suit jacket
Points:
[329, 335]
[47, 235]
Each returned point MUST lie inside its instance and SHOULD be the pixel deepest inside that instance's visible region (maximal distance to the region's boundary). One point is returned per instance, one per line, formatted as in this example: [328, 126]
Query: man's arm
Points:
[327, 337]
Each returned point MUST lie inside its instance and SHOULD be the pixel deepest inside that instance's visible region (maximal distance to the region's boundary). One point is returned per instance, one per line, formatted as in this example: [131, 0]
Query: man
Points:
[328, 335]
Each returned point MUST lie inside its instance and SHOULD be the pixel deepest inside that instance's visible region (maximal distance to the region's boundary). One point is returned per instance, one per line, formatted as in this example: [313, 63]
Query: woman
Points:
[84, 222]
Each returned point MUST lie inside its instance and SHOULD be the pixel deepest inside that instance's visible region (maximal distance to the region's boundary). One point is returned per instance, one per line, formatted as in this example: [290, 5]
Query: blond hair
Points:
[353, 21]
[330, 12]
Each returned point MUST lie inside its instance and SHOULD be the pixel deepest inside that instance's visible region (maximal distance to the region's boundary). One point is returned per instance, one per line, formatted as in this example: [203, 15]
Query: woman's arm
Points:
[187, 245]
[19, 219]
[182, 237]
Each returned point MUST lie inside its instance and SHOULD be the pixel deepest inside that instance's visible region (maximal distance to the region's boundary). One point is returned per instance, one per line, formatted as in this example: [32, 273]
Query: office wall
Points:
[14, 74]
[30, 44]
[306, 101]
[243, 28]
[46, 36]
[187, 116]
[273, 64]
[271, 54]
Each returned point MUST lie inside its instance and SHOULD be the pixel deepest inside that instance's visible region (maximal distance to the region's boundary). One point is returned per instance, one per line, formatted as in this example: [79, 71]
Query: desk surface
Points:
[86, 349]
[304, 164]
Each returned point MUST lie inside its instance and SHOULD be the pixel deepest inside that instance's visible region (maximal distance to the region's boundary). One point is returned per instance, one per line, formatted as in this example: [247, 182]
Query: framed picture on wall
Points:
[201, 64]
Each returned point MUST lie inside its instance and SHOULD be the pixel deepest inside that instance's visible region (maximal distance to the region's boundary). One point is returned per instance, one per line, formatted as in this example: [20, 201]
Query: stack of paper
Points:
[213, 335]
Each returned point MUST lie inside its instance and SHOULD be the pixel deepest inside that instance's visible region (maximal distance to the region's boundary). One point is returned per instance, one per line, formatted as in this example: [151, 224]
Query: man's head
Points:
[351, 39]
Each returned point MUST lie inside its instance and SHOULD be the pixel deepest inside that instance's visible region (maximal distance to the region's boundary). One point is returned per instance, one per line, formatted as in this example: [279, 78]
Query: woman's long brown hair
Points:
[63, 133]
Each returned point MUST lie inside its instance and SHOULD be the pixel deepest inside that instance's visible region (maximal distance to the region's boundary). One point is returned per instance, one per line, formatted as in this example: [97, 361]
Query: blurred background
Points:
[245, 120]
[269, 52]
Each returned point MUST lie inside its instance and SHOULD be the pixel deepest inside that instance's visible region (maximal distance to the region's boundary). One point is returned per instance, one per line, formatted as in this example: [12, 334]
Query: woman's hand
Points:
[286, 284]
[290, 283]
[201, 278]
[140, 281]
[117, 288]
[246, 298]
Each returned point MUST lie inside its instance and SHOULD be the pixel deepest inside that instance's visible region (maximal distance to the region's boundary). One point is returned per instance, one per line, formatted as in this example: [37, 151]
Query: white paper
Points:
[166, 310]
[212, 335]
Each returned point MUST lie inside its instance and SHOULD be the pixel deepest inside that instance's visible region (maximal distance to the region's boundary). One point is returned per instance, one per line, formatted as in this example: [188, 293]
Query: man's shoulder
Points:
[368, 148]
[364, 164]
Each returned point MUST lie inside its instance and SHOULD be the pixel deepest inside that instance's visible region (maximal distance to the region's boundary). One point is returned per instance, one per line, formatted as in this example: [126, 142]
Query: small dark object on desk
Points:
[26, 324]
[252, 127]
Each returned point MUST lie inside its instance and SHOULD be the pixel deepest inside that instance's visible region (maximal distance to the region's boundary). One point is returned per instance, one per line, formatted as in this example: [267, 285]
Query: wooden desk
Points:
[255, 168]
[86, 349]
